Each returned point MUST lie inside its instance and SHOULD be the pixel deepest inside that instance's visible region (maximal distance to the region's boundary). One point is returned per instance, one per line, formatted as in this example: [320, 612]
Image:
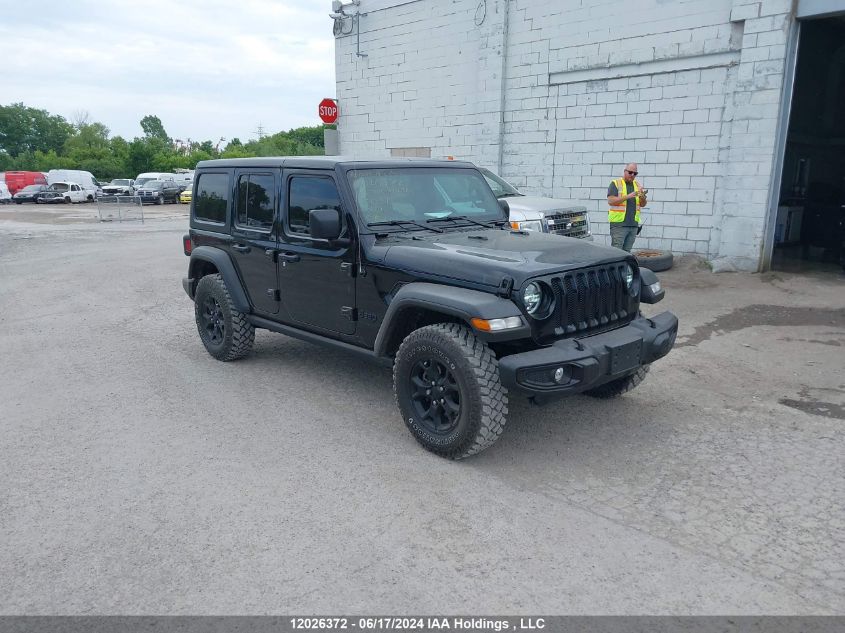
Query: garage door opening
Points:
[810, 223]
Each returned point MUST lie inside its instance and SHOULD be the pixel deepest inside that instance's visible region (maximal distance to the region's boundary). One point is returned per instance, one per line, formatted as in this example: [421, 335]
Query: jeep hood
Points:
[487, 256]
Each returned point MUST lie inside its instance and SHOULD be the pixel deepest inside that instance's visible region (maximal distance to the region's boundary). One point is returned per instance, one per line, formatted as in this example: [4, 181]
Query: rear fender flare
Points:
[226, 268]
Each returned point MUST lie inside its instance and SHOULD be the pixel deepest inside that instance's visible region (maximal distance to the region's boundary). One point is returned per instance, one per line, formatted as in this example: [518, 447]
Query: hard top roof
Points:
[328, 162]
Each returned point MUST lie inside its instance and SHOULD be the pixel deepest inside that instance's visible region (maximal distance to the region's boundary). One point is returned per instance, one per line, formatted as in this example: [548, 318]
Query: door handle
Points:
[288, 257]
[241, 248]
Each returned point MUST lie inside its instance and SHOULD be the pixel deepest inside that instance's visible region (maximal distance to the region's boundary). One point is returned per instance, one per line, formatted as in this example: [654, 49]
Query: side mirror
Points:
[651, 291]
[503, 204]
[324, 223]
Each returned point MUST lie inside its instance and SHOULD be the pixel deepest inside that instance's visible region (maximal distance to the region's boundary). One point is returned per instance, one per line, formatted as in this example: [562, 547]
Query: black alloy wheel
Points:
[435, 396]
[212, 320]
[446, 383]
[225, 332]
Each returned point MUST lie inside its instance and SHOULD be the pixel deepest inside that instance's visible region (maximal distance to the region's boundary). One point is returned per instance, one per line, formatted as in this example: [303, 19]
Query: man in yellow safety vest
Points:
[625, 198]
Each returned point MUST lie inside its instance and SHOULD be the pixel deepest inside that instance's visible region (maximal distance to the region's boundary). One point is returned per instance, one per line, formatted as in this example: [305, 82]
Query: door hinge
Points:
[274, 294]
[505, 287]
[349, 313]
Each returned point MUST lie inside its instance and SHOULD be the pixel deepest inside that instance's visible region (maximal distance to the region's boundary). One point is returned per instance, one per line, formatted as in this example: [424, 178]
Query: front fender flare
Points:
[462, 303]
[226, 268]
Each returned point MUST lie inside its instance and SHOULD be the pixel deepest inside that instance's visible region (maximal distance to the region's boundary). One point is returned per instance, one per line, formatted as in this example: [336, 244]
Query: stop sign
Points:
[328, 110]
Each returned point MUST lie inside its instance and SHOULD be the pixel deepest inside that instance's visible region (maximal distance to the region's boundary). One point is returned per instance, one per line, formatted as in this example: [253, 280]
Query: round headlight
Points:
[629, 276]
[532, 297]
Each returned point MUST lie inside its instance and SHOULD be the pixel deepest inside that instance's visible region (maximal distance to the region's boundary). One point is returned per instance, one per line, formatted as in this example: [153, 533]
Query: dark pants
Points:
[622, 236]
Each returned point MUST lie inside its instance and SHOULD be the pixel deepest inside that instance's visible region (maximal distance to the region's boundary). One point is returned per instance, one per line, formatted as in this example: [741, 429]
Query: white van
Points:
[149, 176]
[84, 179]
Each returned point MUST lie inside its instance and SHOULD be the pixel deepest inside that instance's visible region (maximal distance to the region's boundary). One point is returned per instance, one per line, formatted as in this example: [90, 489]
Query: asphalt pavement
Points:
[141, 476]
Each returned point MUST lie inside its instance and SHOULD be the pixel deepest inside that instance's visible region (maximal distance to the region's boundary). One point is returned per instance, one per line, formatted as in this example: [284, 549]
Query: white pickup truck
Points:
[66, 192]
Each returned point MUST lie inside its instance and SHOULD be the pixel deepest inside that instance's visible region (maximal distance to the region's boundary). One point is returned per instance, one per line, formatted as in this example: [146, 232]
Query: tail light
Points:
[187, 244]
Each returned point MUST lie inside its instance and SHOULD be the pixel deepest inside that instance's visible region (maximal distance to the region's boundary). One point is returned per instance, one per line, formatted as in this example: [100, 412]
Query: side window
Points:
[306, 193]
[256, 201]
[212, 198]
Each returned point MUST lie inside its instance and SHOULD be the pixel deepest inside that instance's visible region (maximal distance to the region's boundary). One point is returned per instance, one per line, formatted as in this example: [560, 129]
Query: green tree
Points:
[309, 135]
[90, 139]
[153, 128]
[142, 153]
[24, 129]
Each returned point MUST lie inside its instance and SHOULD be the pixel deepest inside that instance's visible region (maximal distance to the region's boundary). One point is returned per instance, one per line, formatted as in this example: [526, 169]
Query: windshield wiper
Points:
[508, 195]
[453, 218]
[401, 222]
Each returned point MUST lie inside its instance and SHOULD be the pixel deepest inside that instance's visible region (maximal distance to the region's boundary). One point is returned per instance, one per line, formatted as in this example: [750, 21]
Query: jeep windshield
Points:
[407, 198]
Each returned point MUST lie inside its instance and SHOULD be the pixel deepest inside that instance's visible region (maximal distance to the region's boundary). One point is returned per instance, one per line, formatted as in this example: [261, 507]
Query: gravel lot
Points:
[140, 476]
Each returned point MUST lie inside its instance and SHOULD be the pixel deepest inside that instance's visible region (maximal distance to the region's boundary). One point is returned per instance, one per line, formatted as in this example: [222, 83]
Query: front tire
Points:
[225, 332]
[446, 384]
[617, 387]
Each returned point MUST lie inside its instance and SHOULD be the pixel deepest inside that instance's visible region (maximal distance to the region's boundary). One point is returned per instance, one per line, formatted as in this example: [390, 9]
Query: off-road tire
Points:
[483, 401]
[238, 333]
[619, 386]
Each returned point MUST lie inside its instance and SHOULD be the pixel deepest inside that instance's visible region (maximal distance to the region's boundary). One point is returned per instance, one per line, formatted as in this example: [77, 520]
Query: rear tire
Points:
[225, 332]
[617, 387]
[446, 384]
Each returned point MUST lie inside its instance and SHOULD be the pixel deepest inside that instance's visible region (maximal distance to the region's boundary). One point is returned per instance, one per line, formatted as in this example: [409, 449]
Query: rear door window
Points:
[256, 201]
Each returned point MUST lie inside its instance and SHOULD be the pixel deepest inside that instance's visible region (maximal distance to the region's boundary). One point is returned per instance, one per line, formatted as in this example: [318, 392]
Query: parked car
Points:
[119, 187]
[536, 213]
[17, 180]
[414, 265]
[142, 179]
[159, 192]
[5, 195]
[85, 179]
[185, 196]
[29, 193]
[66, 192]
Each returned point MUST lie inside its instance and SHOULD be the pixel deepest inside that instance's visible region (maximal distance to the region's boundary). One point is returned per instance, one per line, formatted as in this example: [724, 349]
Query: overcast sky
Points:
[207, 68]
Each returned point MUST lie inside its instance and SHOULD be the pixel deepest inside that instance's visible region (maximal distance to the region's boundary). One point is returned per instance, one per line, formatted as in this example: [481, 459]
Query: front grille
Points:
[569, 223]
[589, 301]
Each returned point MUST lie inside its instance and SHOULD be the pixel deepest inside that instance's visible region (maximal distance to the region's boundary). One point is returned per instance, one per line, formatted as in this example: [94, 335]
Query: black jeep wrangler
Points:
[412, 263]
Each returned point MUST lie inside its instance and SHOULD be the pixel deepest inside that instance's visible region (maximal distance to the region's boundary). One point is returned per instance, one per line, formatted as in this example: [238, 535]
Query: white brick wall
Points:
[689, 89]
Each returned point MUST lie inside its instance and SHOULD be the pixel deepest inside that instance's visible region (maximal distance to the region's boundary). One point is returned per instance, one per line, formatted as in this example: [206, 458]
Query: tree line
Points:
[35, 140]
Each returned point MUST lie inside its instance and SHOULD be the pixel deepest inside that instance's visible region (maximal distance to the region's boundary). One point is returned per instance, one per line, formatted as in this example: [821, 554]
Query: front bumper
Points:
[589, 362]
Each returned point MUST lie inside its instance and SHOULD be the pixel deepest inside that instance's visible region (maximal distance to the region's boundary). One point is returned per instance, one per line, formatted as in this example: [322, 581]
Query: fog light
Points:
[559, 373]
